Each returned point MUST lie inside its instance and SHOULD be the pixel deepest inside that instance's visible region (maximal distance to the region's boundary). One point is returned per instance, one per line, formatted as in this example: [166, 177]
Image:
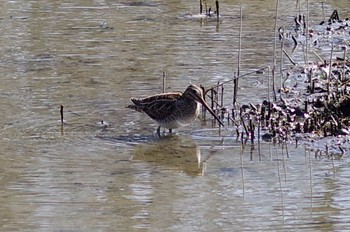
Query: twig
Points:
[243, 75]
[318, 57]
[295, 43]
[290, 58]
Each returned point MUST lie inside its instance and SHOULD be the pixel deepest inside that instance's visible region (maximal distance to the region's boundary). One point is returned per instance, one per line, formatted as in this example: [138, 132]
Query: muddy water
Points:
[92, 57]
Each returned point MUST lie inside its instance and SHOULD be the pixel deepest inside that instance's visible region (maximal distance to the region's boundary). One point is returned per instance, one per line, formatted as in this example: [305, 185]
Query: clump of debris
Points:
[313, 102]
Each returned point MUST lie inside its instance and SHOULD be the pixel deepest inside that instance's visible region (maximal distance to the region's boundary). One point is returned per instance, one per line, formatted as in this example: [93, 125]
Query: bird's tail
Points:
[135, 107]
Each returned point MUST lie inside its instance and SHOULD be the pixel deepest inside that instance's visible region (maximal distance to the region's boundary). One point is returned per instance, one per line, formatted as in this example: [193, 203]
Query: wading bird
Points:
[175, 109]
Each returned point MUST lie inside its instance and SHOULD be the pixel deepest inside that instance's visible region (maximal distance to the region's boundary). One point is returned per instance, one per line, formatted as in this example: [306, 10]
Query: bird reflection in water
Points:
[174, 153]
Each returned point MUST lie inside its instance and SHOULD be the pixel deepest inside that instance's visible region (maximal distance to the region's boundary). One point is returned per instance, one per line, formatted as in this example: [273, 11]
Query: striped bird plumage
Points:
[174, 109]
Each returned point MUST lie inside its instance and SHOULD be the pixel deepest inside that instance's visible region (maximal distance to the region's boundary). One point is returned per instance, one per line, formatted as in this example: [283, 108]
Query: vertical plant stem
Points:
[222, 96]
[61, 112]
[281, 62]
[330, 71]
[344, 62]
[212, 98]
[217, 10]
[239, 42]
[206, 7]
[268, 83]
[203, 108]
[274, 52]
[164, 81]
[235, 80]
[62, 121]
[307, 34]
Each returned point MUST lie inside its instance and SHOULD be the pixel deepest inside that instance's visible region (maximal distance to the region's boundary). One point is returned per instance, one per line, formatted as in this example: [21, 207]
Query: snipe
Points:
[175, 109]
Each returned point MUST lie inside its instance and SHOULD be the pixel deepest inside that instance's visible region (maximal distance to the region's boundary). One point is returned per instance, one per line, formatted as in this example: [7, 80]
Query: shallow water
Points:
[92, 57]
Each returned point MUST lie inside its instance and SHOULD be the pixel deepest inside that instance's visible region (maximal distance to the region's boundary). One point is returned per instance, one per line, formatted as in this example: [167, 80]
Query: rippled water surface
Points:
[91, 57]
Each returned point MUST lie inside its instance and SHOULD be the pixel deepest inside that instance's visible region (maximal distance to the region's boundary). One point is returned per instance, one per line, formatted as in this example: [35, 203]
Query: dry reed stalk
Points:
[245, 127]
[222, 96]
[203, 108]
[164, 81]
[61, 112]
[330, 70]
[323, 14]
[289, 58]
[252, 130]
[62, 121]
[307, 33]
[235, 80]
[298, 5]
[259, 125]
[268, 83]
[212, 98]
[274, 52]
[318, 57]
[344, 62]
[281, 63]
[217, 97]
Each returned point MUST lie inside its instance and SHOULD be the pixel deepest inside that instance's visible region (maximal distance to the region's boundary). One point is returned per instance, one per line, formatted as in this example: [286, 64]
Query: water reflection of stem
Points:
[62, 130]
[242, 167]
[287, 153]
[283, 162]
[279, 180]
[252, 148]
[310, 174]
[333, 165]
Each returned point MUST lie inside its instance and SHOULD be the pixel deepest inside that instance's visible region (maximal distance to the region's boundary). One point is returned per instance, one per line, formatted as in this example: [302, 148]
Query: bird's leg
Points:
[158, 131]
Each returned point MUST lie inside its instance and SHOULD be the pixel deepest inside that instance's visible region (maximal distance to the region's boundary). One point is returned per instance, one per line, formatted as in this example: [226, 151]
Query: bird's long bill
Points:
[210, 110]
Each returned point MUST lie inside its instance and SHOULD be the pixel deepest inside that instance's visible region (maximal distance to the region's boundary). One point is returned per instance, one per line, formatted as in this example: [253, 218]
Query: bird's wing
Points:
[157, 107]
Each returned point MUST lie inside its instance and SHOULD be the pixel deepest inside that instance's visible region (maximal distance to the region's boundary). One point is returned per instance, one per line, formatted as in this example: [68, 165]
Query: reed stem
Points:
[61, 112]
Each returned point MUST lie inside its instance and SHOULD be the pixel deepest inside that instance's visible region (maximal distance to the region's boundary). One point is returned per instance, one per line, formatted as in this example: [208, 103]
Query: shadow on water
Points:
[172, 152]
